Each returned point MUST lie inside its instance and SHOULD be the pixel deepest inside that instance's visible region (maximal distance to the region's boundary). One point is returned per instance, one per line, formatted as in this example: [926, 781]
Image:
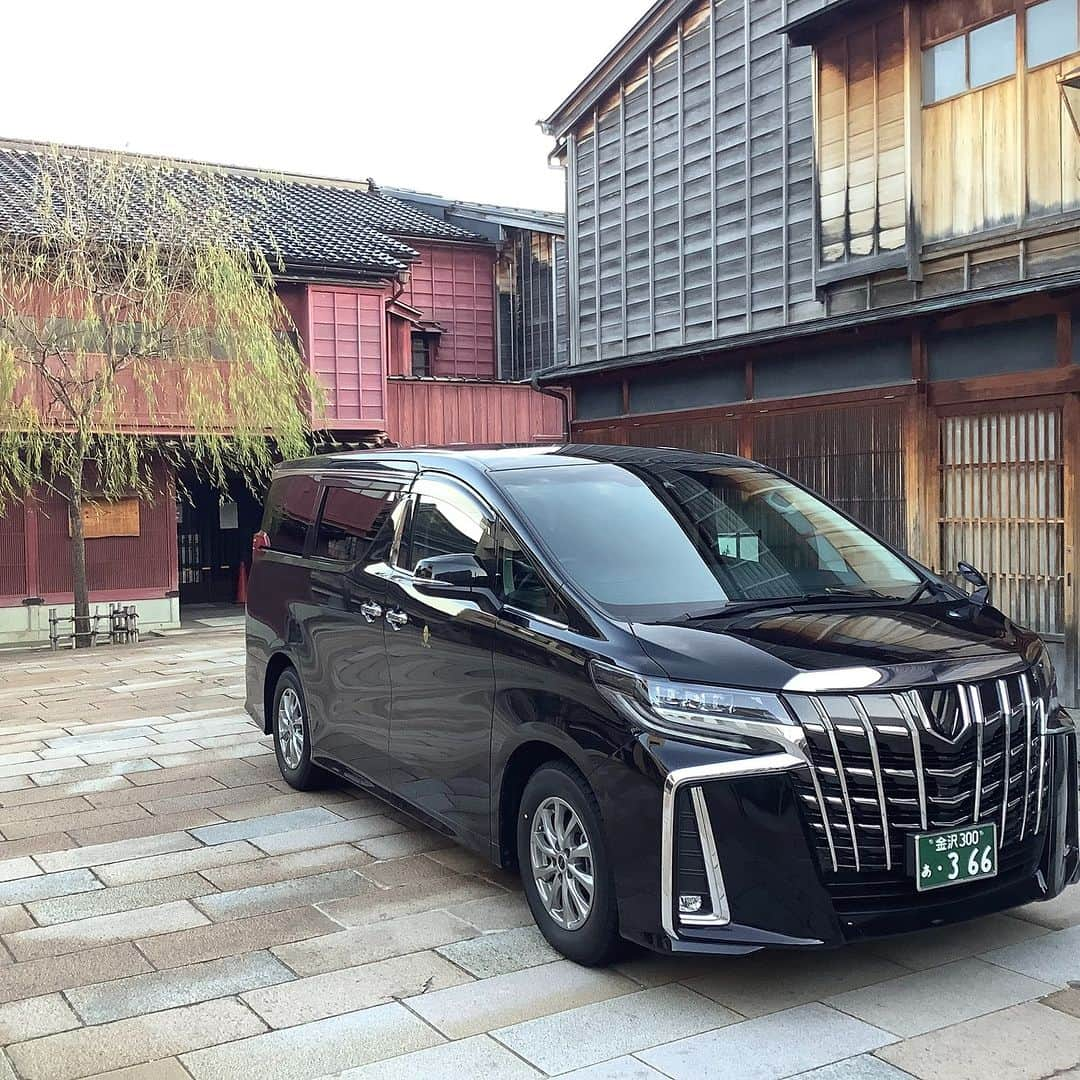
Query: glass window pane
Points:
[943, 71]
[350, 521]
[1052, 31]
[290, 508]
[993, 51]
[449, 527]
[521, 583]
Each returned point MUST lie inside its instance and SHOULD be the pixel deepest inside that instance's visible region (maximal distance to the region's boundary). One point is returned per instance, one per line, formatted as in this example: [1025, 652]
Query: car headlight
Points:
[1055, 720]
[749, 720]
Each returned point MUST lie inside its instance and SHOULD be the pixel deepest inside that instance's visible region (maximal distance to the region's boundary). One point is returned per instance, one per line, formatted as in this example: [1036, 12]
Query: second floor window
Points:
[980, 57]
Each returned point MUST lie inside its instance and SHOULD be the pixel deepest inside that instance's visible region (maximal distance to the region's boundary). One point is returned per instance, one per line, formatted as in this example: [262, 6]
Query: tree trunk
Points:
[80, 586]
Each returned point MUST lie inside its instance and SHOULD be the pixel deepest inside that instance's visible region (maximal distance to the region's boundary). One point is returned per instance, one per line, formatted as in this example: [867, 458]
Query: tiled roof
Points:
[308, 221]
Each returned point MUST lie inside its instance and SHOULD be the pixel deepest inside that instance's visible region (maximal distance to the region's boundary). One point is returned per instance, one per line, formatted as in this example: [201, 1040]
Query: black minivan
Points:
[695, 705]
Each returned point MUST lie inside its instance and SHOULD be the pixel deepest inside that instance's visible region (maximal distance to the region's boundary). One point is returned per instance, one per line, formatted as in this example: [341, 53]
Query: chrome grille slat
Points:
[886, 841]
[1025, 690]
[971, 707]
[905, 703]
[1042, 762]
[827, 721]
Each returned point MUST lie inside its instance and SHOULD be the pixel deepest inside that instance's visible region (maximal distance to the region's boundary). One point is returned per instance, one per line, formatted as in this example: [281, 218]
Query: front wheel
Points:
[564, 866]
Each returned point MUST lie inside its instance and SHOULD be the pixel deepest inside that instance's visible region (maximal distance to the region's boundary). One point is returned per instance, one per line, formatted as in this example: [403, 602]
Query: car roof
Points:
[495, 459]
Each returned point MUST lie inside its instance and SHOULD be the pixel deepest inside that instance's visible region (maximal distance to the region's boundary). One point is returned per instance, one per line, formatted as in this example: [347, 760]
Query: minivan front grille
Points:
[887, 766]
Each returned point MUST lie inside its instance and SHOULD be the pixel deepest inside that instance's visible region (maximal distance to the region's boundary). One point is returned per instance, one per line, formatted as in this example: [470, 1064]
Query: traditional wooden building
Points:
[395, 309]
[841, 236]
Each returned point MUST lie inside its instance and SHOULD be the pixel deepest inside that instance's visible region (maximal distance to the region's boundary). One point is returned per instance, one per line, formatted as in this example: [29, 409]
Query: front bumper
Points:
[765, 881]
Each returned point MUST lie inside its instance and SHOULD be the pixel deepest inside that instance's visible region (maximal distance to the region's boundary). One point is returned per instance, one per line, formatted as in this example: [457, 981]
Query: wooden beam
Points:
[913, 140]
[1022, 384]
[1070, 679]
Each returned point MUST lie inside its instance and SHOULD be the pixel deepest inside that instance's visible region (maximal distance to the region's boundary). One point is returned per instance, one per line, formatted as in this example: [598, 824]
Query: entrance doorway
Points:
[214, 531]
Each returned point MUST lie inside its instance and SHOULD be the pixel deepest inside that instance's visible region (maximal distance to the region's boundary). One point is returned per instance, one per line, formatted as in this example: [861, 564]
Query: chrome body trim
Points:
[763, 765]
[976, 716]
[721, 914]
[1042, 762]
[910, 705]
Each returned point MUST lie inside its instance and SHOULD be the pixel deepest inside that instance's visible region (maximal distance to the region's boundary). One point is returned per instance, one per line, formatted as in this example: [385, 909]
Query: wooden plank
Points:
[1044, 141]
[937, 179]
[1000, 133]
[117, 518]
[1070, 681]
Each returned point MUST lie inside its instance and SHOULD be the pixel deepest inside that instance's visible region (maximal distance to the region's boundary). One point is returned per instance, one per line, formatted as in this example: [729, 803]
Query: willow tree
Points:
[136, 298]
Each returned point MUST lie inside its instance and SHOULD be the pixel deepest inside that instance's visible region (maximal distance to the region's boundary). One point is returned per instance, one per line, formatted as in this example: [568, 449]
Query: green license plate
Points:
[955, 856]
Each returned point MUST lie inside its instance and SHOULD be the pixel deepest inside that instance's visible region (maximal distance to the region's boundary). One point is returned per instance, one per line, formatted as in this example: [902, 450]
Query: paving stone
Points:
[938, 997]
[72, 770]
[37, 977]
[199, 757]
[608, 1029]
[35, 845]
[266, 871]
[1026, 1042]
[264, 826]
[353, 807]
[1066, 1001]
[343, 833]
[500, 911]
[767, 982]
[145, 826]
[88, 818]
[31, 794]
[14, 919]
[317, 1049]
[780, 1044]
[406, 842]
[280, 803]
[86, 905]
[174, 987]
[652, 969]
[410, 871]
[478, 1058]
[353, 988]
[1057, 914]
[235, 937]
[103, 740]
[861, 1067]
[15, 869]
[33, 1018]
[168, 789]
[476, 1007]
[221, 800]
[394, 937]
[196, 858]
[393, 903]
[45, 809]
[620, 1068]
[117, 851]
[283, 895]
[1053, 958]
[36, 765]
[134, 1041]
[501, 952]
[168, 1069]
[68, 937]
[942, 944]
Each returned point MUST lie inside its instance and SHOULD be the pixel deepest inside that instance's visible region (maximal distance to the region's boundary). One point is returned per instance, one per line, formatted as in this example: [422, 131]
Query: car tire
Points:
[292, 735]
[554, 867]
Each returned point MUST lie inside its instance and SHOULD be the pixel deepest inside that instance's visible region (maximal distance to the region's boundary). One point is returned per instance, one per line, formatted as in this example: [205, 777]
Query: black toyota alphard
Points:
[696, 706]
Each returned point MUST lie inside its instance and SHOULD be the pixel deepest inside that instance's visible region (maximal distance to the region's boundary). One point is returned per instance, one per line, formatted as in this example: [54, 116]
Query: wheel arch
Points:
[278, 663]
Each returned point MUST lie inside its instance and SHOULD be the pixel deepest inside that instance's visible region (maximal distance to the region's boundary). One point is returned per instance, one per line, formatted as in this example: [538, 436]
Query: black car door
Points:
[440, 653]
[349, 688]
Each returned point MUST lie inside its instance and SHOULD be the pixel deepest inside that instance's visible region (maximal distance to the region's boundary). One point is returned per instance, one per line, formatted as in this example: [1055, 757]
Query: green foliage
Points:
[134, 296]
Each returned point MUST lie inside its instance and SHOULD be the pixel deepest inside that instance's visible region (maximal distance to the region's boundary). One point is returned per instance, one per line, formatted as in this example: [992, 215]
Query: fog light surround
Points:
[690, 905]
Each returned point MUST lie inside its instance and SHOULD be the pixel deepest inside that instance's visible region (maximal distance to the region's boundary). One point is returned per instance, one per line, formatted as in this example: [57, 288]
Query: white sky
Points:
[425, 94]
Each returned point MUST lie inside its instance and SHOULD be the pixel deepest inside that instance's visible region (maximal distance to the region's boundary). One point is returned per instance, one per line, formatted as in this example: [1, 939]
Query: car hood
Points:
[907, 646]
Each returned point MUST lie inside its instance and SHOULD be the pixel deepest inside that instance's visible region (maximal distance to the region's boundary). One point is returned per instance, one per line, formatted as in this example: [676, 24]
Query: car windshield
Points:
[660, 541]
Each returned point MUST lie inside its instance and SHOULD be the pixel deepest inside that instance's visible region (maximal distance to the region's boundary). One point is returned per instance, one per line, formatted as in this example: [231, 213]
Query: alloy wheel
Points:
[562, 863]
[290, 723]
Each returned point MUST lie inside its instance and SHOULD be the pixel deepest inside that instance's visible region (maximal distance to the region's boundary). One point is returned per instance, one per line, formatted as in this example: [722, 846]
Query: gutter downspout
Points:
[534, 382]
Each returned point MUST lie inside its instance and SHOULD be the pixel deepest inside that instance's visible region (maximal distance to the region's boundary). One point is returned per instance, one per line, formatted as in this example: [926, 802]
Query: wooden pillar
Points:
[921, 452]
[1069, 680]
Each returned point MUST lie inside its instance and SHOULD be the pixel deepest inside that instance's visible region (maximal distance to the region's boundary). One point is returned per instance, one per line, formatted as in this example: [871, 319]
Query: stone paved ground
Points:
[170, 909]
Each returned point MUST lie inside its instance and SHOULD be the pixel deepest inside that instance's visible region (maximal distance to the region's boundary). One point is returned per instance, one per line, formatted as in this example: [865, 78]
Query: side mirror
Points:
[451, 574]
[981, 596]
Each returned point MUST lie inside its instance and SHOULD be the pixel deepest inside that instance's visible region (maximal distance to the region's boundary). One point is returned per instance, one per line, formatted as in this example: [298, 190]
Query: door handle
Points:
[370, 610]
[396, 619]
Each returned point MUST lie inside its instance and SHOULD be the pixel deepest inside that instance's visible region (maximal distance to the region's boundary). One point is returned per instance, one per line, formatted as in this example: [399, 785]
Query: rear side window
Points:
[290, 509]
[351, 519]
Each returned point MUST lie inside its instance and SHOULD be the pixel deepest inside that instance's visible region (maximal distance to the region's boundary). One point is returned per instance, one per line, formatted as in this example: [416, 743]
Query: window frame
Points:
[422, 488]
[965, 36]
[503, 530]
[1075, 51]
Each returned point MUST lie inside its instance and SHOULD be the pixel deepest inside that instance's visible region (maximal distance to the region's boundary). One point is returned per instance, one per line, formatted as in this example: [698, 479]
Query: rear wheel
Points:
[292, 735]
[564, 866]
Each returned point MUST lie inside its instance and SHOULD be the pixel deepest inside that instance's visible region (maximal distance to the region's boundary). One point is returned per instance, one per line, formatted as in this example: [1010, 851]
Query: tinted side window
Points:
[290, 509]
[451, 526]
[351, 519]
[521, 584]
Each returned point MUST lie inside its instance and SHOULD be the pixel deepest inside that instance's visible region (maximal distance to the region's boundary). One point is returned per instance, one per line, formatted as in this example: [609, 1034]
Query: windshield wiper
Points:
[929, 585]
[743, 607]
